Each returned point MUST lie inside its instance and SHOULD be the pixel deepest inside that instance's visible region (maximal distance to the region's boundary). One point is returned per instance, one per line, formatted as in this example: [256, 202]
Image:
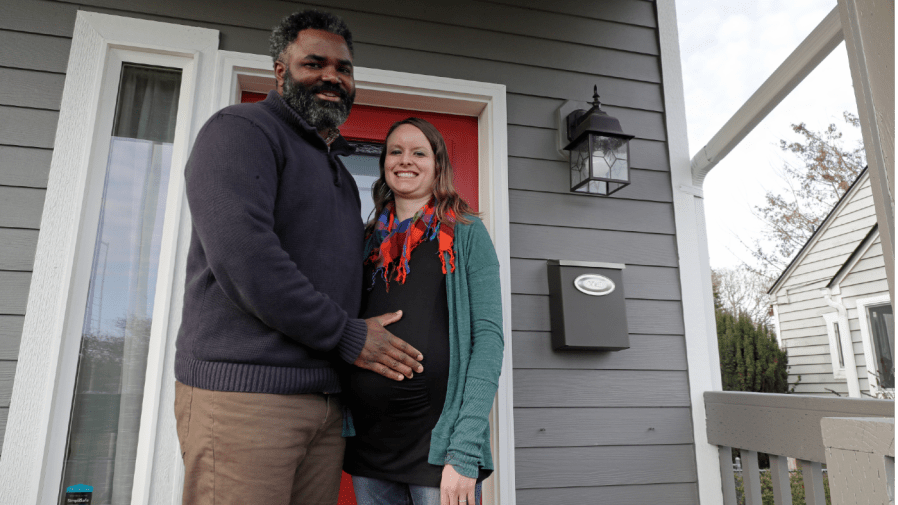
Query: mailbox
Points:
[587, 306]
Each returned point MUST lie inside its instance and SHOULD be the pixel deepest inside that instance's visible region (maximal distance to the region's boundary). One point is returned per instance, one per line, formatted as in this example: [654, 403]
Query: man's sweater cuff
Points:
[353, 340]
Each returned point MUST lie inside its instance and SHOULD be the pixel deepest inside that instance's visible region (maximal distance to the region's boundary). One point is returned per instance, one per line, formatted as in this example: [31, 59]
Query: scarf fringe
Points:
[394, 242]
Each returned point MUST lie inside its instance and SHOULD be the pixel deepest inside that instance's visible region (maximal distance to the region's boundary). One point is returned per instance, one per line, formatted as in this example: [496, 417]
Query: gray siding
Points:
[34, 50]
[589, 424]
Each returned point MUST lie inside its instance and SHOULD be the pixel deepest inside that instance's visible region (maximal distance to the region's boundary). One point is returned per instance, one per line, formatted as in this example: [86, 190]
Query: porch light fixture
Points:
[599, 151]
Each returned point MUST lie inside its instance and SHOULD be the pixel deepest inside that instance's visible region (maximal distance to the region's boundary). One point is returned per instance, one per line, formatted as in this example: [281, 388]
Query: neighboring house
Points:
[831, 304]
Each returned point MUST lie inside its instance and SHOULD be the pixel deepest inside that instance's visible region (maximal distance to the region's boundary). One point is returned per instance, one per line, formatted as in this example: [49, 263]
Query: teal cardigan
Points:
[462, 433]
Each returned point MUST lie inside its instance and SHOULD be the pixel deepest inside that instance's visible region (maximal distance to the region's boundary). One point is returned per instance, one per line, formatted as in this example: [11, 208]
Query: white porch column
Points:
[694, 263]
[869, 29]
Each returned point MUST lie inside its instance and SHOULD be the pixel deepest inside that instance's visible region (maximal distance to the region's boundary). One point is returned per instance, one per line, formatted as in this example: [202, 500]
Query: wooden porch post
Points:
[869, 30]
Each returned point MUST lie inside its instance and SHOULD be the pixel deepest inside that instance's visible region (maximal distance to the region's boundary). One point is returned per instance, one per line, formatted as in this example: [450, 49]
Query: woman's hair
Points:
[443, 190]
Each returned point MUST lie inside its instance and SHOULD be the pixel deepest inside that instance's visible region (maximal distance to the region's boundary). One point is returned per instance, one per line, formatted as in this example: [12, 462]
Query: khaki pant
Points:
[254, 448]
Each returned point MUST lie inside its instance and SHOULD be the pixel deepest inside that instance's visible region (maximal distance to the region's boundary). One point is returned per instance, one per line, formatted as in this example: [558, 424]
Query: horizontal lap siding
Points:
[560, 242]
[838, 389]
[668, 494]
[544, 427]
[7, 371]
[10, 335]
[35, 38]
[627, 418]
[24, 166]
[807, 345]
[604, 466]
[629, 12]
[533, 349]
[30, 88]
[531, 313]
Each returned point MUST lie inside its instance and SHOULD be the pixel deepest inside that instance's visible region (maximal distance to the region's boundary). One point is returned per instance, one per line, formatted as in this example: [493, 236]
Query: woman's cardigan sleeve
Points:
[469, 442]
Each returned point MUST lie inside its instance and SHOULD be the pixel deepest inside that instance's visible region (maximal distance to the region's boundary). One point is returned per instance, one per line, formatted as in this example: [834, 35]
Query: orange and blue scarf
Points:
[392, 243]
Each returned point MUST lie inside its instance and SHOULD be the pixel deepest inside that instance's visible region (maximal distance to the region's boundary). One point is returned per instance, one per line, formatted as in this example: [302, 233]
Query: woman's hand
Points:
[456, 489]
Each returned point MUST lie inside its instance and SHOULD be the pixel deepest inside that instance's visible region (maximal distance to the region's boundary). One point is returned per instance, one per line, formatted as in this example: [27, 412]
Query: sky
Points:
[728, 49]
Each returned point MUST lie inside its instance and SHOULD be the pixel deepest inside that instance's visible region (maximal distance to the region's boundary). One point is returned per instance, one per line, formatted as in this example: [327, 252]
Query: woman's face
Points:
[410, 165]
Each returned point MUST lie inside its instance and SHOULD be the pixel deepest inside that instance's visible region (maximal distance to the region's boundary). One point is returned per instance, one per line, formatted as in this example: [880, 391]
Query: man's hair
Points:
[285, 33]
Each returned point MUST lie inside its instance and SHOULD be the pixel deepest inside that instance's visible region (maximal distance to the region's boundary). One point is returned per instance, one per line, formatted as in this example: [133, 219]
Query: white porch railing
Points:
[856, 438]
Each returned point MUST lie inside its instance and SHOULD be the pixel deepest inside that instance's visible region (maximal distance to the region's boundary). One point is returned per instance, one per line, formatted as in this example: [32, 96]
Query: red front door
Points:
[370, 124]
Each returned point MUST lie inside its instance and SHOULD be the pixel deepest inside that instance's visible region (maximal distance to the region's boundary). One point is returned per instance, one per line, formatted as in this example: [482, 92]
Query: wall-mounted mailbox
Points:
[586, 302]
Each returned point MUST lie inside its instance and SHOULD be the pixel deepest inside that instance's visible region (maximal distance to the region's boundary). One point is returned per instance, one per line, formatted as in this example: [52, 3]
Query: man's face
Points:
[316, 78]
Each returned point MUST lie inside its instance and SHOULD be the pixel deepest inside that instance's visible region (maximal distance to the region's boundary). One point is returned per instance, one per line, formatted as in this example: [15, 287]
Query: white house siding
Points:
[867, 279]
[801, 305]
[587, 424]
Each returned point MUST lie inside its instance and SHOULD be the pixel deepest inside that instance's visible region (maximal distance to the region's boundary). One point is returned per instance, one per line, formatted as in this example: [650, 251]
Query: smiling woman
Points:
[428, 436]
[409, 168]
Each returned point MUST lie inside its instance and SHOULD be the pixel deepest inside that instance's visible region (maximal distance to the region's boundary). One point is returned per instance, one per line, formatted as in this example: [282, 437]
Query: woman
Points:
[425, 440]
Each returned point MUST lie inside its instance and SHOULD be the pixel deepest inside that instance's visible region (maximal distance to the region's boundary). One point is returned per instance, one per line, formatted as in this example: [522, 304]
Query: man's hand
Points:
[387, 354]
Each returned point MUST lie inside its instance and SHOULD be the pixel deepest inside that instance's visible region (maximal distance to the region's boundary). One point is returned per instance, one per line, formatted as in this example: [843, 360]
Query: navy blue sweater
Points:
[274, 269]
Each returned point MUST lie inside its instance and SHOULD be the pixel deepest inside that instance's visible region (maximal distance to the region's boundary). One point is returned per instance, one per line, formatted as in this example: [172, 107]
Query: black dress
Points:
[393, 419]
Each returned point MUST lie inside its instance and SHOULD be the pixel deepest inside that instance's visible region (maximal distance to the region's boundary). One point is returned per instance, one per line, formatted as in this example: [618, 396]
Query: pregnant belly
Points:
[374, 397]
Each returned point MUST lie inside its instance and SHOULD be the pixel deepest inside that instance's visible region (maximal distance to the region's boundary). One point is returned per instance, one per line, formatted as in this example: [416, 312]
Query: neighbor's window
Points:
[839, 345]
[106, 409]
[836, 354]
[882, 328]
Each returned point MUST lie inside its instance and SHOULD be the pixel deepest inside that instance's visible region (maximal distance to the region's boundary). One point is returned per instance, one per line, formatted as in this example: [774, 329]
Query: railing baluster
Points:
[751, 477]
[812, 473]
[726, 475]
[779, 477]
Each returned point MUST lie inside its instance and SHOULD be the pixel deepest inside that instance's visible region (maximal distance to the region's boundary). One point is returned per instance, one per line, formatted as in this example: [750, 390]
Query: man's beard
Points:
[319, 114]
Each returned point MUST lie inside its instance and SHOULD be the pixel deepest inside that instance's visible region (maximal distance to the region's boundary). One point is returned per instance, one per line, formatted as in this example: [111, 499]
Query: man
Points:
[274, 275]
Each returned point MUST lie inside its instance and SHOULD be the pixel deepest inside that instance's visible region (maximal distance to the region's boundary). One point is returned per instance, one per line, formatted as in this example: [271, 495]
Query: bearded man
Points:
[274, 280]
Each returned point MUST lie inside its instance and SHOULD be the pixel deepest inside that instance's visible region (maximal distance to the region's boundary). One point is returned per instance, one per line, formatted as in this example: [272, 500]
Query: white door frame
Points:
[238, 72]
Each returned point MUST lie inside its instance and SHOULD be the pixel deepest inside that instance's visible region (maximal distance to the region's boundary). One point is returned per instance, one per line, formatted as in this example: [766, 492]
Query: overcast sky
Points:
[728, 49]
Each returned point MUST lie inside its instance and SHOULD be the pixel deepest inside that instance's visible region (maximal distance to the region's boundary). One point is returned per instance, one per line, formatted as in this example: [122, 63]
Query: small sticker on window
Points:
[79, 494]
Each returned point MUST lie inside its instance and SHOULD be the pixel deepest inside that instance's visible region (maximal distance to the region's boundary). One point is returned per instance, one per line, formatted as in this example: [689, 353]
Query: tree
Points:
[742, 290]
[825, 170]
[750, 356]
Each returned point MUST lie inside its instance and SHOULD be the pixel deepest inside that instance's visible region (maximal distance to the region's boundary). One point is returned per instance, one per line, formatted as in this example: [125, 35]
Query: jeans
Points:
[370, 491]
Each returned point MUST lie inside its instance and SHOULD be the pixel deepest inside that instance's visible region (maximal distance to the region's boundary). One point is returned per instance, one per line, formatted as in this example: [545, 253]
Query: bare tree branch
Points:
[743, 291]
[826, 170]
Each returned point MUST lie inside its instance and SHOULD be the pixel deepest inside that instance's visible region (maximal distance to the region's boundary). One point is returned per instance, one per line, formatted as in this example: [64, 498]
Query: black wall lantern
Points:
[599, 151]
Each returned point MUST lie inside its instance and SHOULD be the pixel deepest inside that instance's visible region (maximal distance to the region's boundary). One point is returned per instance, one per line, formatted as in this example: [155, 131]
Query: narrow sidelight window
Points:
[109, 386]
